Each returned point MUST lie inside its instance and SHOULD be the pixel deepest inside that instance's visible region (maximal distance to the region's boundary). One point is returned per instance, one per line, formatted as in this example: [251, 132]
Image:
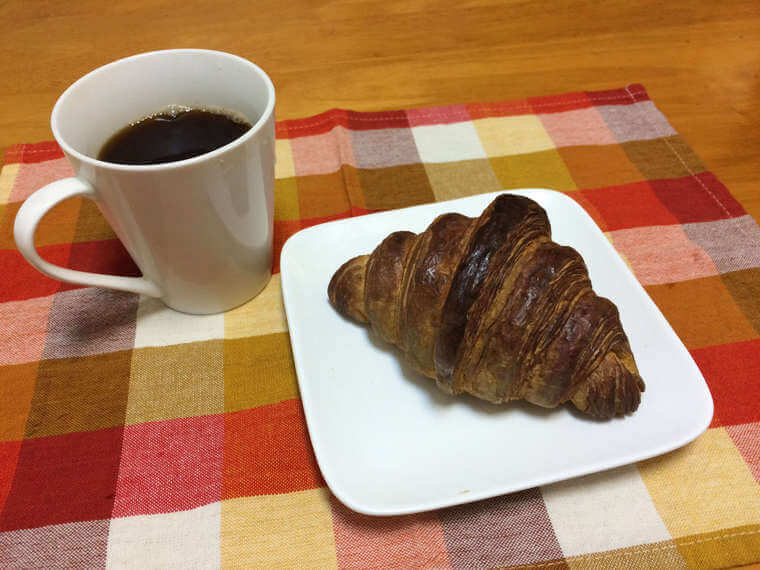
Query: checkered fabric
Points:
[132, 435]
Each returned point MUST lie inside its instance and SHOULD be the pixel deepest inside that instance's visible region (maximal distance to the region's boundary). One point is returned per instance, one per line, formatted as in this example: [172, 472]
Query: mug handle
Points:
[29, 216]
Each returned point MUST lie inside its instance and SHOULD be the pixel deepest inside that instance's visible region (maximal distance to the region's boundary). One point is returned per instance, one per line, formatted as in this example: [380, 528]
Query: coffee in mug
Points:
[175, 133]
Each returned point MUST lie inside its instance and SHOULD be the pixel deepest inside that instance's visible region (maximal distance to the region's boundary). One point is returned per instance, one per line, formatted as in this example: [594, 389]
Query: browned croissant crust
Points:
[491, 306]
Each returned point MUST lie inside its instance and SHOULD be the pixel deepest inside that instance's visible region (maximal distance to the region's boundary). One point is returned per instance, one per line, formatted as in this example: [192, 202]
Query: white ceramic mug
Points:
[200, 229]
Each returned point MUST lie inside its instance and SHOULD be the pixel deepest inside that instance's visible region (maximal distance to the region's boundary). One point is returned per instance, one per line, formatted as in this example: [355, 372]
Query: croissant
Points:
[492, 307]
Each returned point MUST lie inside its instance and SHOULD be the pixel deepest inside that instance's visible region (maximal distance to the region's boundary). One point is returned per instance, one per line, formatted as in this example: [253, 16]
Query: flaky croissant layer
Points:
[492, 307]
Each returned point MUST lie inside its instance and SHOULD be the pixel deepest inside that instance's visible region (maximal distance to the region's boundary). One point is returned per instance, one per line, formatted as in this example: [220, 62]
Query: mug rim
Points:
[250, 133]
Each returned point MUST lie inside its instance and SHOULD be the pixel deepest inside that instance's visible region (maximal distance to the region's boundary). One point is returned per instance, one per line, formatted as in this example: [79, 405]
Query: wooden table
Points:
[700, 61]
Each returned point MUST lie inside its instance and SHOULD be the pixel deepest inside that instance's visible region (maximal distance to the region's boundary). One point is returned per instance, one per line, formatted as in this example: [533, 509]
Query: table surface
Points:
[698, 60]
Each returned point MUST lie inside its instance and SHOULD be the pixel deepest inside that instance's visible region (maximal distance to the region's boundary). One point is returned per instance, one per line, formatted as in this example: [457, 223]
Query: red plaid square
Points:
[282, 231]
[22, 281]
[733, 373]
[170, 466]
[267, 451]
[64, 478]
[9, 451]
[629, 206]
[359, 121]
[34, 152]
[699, 198]
[107, 256]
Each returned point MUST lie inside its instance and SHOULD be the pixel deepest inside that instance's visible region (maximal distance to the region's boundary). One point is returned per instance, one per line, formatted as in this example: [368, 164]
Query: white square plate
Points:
[389, 442]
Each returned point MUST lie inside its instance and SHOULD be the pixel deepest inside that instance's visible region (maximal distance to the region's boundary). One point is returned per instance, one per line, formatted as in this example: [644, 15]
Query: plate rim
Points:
[425, 506]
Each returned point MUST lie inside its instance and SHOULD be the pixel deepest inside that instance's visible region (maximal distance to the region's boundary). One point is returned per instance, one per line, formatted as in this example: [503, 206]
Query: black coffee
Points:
[171, 135]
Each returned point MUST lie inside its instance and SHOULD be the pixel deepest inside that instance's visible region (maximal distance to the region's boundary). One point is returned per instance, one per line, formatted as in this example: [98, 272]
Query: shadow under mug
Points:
[200, 229]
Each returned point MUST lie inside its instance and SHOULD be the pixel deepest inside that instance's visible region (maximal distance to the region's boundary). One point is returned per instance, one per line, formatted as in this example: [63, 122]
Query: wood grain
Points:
[700, 61]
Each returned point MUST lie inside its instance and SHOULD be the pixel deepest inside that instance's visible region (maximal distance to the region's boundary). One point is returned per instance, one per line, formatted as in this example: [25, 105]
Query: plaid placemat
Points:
[132, 435]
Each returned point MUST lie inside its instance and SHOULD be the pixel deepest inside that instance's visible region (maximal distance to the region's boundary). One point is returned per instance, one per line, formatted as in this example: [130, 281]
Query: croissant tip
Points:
[346, 289]
[612, 390]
